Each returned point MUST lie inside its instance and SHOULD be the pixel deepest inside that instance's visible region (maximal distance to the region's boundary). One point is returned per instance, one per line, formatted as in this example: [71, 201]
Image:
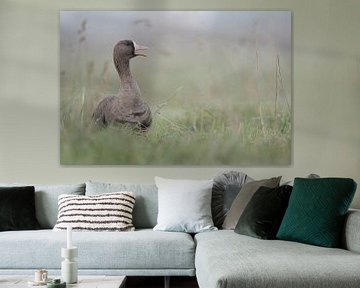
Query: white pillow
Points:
[184, 205]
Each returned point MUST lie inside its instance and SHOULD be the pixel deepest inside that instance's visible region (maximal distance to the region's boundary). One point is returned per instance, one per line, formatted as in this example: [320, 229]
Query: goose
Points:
[128, 107]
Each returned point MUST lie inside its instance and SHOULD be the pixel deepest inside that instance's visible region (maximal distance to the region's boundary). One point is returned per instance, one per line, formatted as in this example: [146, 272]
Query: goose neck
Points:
[123, 69]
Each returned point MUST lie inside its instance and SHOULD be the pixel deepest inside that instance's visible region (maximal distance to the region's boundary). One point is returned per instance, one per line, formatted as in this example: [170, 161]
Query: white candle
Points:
[69, 239]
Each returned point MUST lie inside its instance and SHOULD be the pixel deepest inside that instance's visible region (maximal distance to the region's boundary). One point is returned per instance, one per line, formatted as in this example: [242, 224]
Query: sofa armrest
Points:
[351, 234]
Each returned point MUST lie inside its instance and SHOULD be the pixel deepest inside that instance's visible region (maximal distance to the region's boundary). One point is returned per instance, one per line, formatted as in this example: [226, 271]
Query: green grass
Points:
[196, 137]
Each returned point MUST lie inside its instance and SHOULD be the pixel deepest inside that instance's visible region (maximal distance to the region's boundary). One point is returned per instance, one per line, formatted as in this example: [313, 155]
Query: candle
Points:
[69, 240]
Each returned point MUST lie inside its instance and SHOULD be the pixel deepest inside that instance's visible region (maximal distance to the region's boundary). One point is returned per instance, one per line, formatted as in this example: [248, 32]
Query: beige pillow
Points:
[243, 198]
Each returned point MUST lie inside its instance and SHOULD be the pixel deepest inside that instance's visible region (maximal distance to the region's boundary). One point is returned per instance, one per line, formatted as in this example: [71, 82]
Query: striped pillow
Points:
[105, 212]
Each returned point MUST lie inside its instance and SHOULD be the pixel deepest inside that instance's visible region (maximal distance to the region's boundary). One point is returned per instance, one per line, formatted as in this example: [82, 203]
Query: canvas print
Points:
[175, 88]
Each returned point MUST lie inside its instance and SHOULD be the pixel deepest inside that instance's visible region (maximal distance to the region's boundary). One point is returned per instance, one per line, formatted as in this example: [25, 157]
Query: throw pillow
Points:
[184, 205]
[105, 212]
[263, 215]
[46, 199]
[316, 211]
[17, 208]
[243, 198]
[226, 187]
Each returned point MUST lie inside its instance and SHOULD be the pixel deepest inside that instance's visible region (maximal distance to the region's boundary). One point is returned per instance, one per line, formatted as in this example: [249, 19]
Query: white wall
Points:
[326, 91]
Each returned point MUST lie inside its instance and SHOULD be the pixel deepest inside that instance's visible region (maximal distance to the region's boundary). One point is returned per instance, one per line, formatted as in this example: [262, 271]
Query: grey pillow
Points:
[46, 200]
[184, 205]
[146, 206]
[243, 198]
[226, 187]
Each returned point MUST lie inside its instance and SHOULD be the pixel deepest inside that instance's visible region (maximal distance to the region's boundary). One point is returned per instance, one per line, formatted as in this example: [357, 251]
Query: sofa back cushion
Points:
[350, 237]
[146, 204]
[46, 200]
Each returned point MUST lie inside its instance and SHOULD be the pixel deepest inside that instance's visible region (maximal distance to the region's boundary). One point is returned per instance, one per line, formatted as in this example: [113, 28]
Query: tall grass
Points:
[230, 117]
[199, 136]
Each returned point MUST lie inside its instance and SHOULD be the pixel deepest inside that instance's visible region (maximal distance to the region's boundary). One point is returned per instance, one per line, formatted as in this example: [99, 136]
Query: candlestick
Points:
[69, 271]
[69, 237]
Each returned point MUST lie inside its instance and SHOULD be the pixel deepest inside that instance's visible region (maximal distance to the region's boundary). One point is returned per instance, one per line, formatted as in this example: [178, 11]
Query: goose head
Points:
[127, 49]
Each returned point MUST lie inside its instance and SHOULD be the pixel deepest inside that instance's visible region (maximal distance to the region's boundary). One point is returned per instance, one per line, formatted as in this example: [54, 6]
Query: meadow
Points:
[233, 110]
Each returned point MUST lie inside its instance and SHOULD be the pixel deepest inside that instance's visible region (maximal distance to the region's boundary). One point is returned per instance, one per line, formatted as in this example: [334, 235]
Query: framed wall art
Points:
[207, 88]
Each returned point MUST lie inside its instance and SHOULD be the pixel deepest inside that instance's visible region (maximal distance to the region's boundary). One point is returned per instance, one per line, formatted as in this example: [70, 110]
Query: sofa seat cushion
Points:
[142, 249]
[226, 259]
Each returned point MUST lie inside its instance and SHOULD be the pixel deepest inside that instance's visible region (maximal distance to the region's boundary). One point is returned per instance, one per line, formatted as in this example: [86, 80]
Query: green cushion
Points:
[316, 211]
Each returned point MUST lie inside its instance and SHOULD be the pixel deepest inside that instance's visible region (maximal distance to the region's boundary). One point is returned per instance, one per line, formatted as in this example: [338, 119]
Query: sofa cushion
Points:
[141, 250]
[46, 200]
[146, 205]
[184, 205]
[105, 212]
[243, 198]
[317, 209]
[226, 187]
[225, 259]
[17, 208]
[263, 214]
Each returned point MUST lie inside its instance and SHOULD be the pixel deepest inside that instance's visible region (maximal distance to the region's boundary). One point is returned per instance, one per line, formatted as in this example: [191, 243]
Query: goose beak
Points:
[139, 50]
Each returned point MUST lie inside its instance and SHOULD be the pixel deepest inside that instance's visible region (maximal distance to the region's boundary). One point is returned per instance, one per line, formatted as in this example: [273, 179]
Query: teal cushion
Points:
[316, 211]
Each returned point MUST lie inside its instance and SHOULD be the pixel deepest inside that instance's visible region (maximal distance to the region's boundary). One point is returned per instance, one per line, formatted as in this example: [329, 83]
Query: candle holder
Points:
[68, 265]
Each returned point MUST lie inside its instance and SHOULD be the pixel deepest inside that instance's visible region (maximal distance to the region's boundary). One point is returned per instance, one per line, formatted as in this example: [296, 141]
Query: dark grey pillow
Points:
[226, 187]
[243, 198]
[263, 214]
